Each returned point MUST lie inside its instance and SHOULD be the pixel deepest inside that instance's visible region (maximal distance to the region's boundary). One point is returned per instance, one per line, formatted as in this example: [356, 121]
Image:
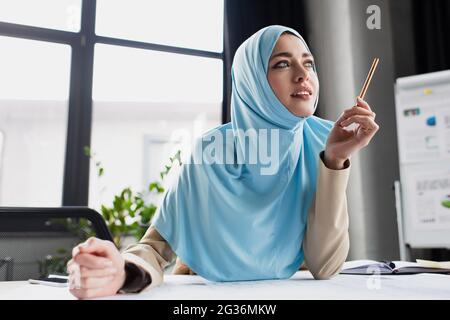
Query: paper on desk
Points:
[434, 264]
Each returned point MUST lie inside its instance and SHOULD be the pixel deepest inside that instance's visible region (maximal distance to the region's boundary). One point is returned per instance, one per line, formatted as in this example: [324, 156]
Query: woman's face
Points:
[291, 75]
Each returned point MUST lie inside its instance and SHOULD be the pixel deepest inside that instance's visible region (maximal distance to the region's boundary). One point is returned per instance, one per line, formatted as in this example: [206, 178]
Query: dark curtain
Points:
[245, 17]
[431, 34]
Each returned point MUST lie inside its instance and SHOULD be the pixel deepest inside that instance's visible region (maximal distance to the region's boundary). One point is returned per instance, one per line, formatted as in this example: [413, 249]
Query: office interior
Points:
[98, 96]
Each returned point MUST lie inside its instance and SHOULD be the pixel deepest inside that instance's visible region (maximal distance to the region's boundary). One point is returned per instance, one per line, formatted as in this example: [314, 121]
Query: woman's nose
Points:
[301, 74]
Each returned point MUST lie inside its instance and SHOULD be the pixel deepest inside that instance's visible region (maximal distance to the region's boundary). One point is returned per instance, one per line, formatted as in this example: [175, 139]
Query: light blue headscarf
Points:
[230, 222]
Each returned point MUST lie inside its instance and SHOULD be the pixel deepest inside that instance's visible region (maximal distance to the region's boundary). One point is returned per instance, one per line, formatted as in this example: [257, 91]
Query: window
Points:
[140, 94]
[33, 104]
[157, 73]
[129, 74]
[53, 14]
[196, 24]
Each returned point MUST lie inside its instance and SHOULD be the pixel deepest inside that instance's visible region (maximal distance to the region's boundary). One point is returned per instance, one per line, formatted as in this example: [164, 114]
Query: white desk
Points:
[300, 286]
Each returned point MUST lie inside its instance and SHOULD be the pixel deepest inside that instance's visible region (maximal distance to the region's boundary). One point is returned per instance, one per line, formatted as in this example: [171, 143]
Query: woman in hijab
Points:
[232, 215]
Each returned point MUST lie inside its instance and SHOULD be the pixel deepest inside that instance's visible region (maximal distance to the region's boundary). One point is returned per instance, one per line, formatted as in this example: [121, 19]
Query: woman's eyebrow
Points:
[289, 55]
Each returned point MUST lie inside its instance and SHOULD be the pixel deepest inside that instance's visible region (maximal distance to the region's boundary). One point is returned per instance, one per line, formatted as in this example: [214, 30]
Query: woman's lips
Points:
[305, 96]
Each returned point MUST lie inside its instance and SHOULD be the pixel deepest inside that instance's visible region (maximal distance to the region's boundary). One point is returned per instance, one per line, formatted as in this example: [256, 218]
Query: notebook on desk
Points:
[367, 267]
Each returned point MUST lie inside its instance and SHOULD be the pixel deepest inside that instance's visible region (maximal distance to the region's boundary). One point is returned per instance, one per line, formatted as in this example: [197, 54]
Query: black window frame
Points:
[79, 125]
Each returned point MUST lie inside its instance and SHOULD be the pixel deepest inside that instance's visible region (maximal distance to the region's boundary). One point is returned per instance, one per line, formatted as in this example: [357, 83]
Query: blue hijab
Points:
[242, 220]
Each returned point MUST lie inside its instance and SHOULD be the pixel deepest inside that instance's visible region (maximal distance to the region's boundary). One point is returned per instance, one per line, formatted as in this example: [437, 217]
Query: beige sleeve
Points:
[326, 242]
[152, 254]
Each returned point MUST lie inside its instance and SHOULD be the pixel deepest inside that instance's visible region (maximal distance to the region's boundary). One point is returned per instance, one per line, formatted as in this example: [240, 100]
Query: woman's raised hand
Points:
[343, 142]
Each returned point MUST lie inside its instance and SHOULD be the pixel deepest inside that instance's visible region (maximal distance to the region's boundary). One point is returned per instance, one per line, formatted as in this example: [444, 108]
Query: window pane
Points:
[33, 104]
[52, 14]
[194, 24]
[128, 74]
[34, 70]
[147, 105]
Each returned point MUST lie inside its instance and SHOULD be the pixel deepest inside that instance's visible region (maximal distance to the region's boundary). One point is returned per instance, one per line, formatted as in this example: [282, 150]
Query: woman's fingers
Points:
[354, 111]
[92, 261]
[95, 245]
[363, 104]
[89, 282]
[367, 123]
[95, 282]
[361, 108]
[96, 269]
[73, 269]
[86, 293]
[88, 273]
[90, 278]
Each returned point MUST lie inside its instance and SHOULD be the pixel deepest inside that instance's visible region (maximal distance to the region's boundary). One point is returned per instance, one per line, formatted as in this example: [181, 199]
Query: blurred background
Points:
[96, 96]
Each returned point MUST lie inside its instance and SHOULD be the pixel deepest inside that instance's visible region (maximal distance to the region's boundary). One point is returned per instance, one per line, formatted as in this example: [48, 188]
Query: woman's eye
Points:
[285, 64]
[282, 64]
[310, 64]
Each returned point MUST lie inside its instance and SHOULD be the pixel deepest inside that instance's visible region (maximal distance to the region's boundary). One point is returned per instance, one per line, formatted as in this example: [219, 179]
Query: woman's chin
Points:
[302, 111]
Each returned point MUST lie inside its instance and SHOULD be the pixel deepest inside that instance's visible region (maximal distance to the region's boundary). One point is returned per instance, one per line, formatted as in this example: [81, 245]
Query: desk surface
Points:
[300, 286]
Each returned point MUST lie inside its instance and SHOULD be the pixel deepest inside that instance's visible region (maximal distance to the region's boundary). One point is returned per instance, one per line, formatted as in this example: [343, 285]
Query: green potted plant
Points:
[130, 214]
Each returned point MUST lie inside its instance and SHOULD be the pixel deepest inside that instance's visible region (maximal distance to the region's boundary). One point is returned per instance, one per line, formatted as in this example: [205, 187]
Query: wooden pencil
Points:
[369, 78]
